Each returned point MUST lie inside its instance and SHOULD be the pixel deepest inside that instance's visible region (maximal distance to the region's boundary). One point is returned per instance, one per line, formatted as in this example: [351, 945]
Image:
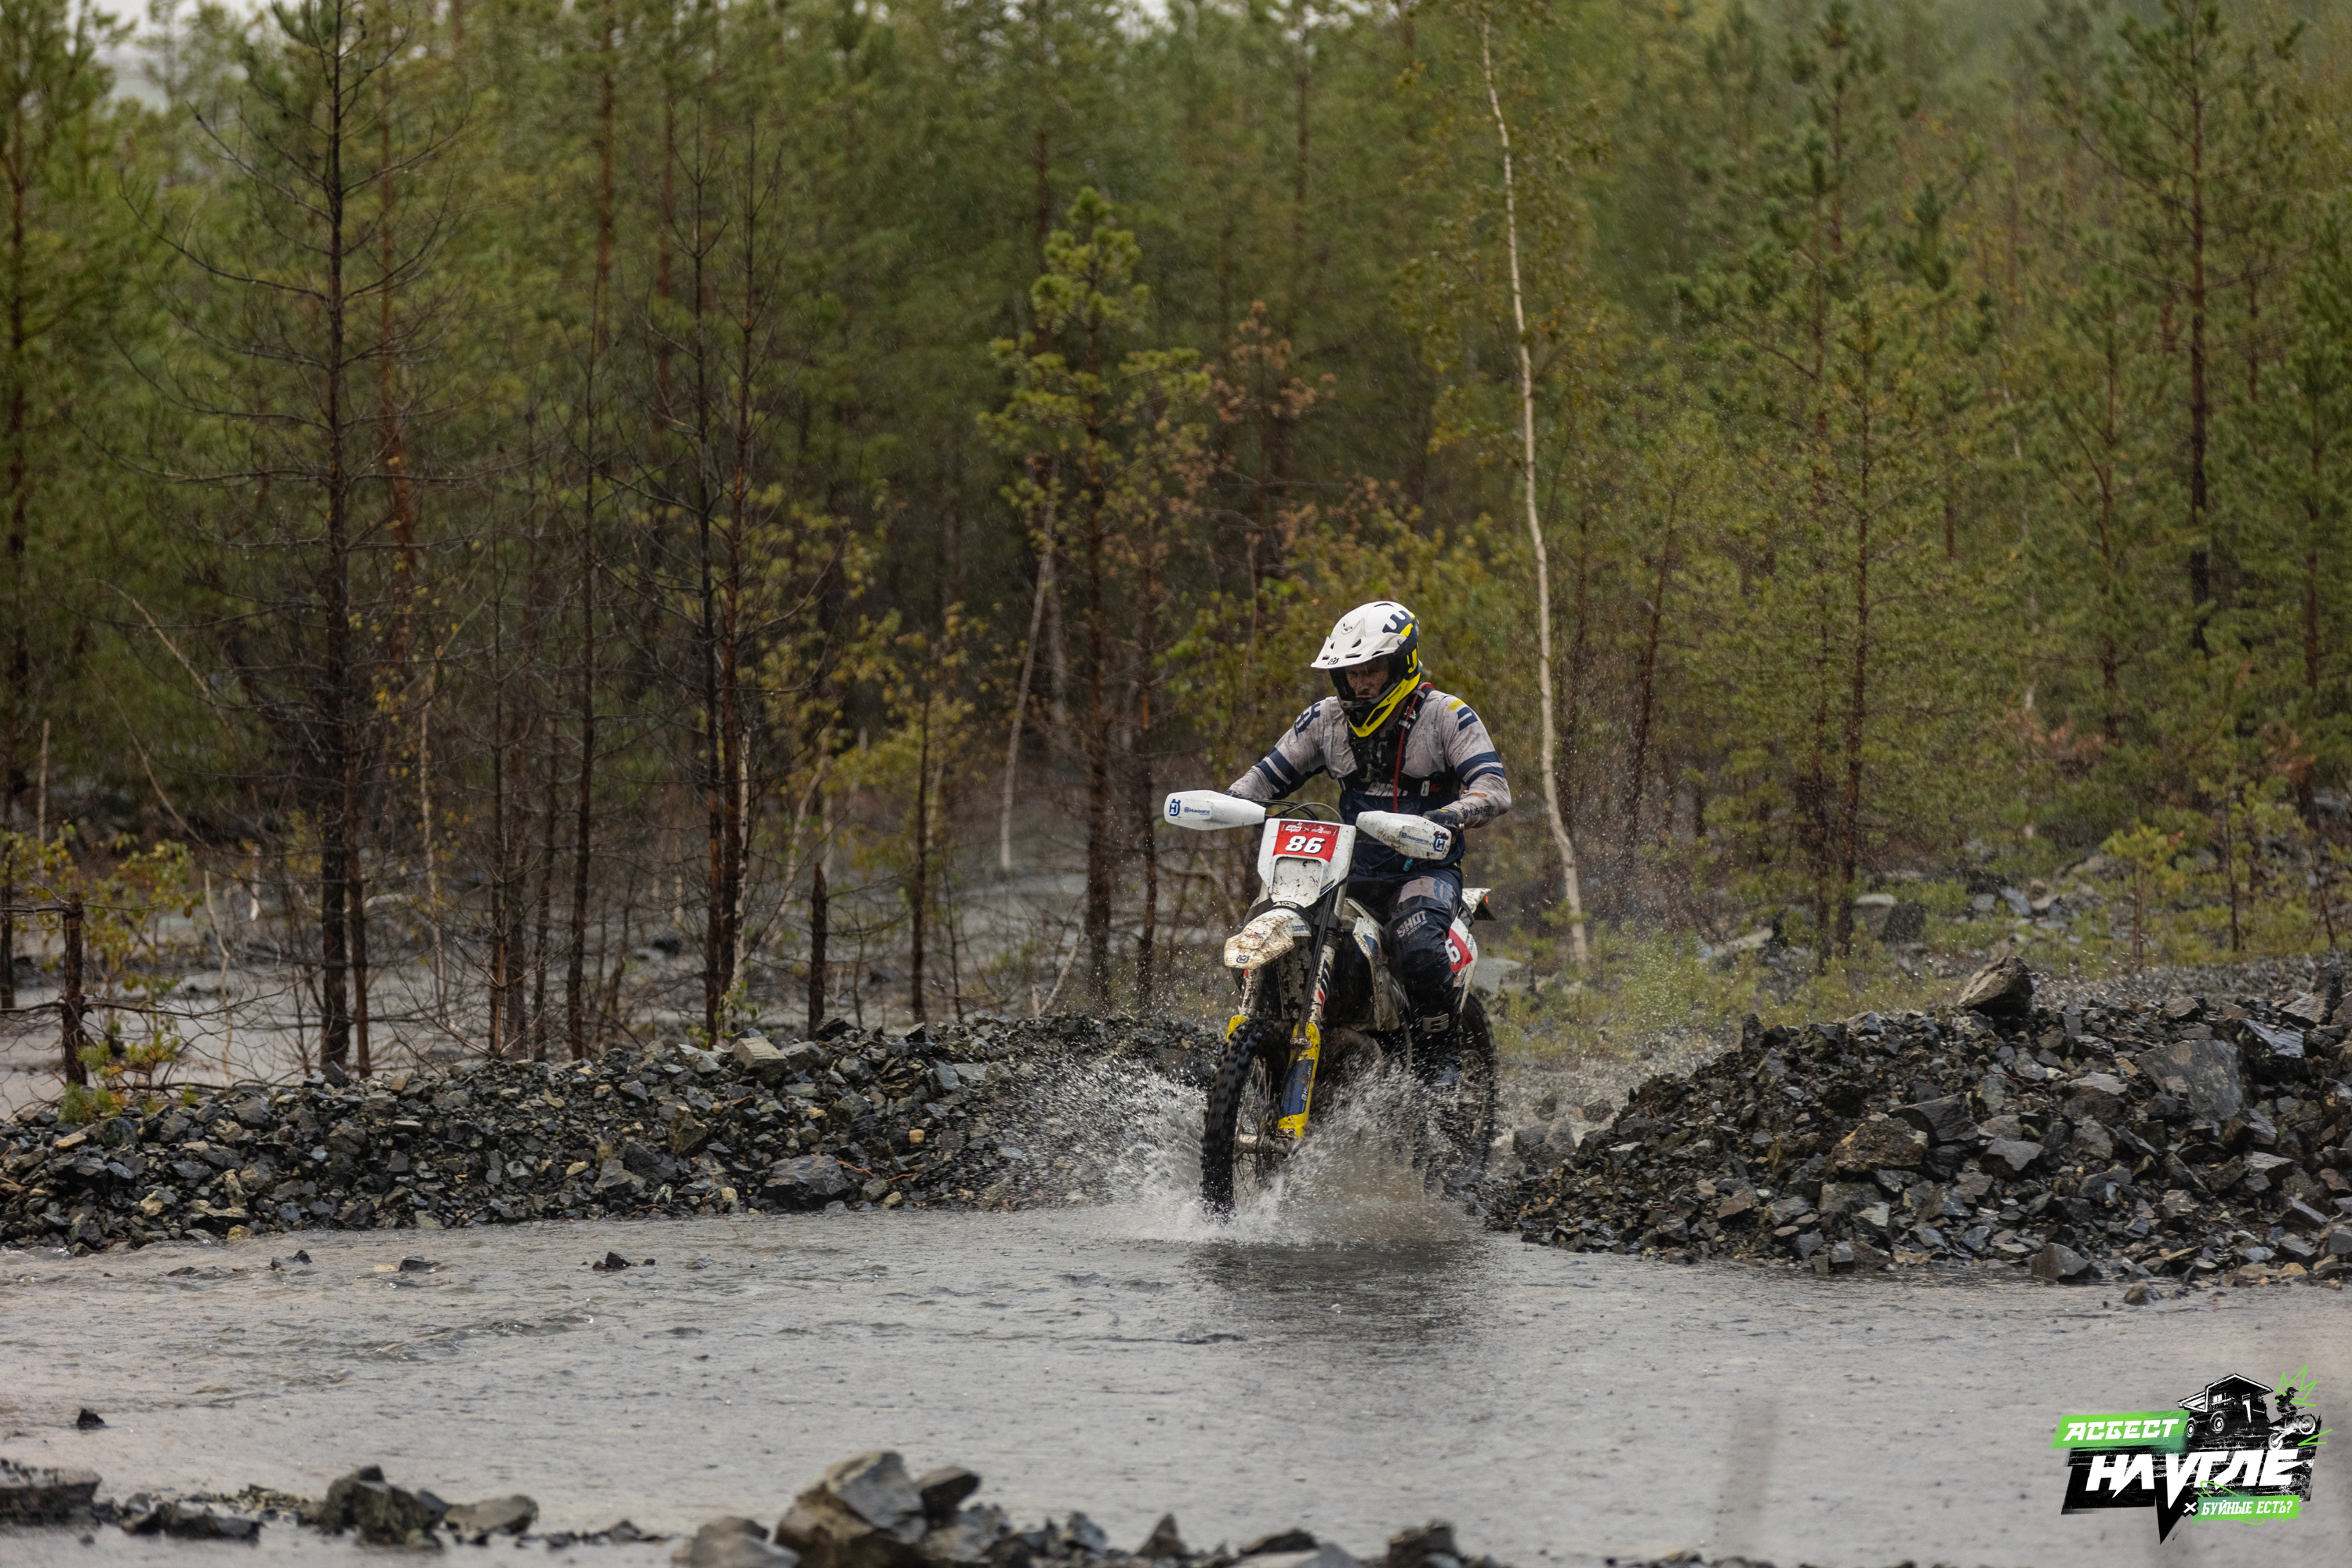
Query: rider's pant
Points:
[1415, 914]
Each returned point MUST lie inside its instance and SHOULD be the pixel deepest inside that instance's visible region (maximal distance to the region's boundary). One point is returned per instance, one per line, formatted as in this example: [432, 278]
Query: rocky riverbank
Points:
[935, 1118]
[866, 1512]
[2198, 1139]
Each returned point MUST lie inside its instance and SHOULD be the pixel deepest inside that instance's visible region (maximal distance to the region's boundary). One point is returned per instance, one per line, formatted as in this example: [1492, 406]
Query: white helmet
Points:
[1381, 629]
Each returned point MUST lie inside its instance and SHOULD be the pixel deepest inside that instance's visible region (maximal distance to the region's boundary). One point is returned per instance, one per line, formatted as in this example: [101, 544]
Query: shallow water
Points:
[1349, 1356]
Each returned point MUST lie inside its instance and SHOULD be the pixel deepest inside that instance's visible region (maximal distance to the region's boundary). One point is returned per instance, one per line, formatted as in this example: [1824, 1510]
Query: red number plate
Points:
[1457, 952]
[1317, 843]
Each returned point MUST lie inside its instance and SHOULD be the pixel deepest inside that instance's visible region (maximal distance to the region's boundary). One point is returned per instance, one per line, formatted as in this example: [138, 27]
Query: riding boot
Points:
[1436, 1051]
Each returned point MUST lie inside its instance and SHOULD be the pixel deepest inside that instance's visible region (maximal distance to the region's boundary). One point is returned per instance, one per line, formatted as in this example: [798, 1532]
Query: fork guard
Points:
[1266, 939]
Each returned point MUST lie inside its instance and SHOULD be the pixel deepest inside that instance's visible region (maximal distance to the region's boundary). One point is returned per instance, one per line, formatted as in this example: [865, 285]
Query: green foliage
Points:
[1939, 444]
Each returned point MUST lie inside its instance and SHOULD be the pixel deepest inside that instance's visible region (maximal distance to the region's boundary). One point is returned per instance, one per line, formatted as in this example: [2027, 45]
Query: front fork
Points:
[1306, 1039]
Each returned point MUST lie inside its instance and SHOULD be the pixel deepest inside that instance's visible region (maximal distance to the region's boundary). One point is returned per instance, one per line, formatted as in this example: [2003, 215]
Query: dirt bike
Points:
[1319, 1006]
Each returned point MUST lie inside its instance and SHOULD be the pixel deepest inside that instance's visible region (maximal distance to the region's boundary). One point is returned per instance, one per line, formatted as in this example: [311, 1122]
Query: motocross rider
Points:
[1394, 742]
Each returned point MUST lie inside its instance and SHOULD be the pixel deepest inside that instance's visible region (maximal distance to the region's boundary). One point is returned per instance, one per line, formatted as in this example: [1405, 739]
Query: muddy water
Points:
[1353, 1361]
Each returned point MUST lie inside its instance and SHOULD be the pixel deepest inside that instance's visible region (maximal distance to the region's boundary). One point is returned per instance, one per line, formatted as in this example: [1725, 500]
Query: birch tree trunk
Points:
[1021, 700]
[1570, 888]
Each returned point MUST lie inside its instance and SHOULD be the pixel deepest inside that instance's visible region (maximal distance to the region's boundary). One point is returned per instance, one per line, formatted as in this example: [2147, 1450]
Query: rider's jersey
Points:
[1447, 758]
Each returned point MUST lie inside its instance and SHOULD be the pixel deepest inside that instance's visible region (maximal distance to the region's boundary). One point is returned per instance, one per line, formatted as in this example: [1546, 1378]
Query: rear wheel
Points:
[1240, 1140]
[1466, 1118]
[1480, 1080]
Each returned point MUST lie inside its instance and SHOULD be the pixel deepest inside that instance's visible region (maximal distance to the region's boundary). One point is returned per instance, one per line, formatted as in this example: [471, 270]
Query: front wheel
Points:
[1240, 1141]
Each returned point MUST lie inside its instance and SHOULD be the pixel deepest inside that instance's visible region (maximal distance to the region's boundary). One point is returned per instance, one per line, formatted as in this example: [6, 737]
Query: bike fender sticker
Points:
[1461, 953]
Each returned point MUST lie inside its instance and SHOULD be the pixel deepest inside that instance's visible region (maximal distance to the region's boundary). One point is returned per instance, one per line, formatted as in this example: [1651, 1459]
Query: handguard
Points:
[1414, 837]
[1206, 810]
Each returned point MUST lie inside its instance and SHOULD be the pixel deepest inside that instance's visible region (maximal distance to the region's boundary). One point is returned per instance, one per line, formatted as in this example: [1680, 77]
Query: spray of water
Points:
[1133, 1141]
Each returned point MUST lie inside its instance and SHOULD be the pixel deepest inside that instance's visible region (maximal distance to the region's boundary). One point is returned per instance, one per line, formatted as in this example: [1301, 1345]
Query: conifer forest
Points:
[534, 523]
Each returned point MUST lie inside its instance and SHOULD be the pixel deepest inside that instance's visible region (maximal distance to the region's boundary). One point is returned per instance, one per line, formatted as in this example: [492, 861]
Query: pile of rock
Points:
[864, 1512]
[2200, 1138]
[850, 1118]
[868, 1512]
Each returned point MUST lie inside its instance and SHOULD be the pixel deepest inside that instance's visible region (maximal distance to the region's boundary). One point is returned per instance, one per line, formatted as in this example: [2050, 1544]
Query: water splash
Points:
[1133, 1141]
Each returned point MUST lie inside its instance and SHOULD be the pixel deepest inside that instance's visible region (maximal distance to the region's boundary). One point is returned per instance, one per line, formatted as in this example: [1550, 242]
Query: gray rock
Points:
[2054, 1263]
[687, 1137]
[755, 1056]
[1733, 1204]
[1164, 1541]
[2205, 1073]
[2000, 990]
[864, 1513]
[807, 1180]
[612, 1174]
[2277, 1044]
[1082, 1535]
[186, 1522]
[1283, 1542]
[2090, 1144]
[333, 1512]
[1328, 1555]
[477, 1521]
[1880, 1141]
[2094, 1097]
[2303, 1217]
[944, 1490]
[966, 1538]
[1412, 1547]
[2014, 1153]
[37, 1495]
[732, 1543]
[386, 1515]
[1944, 1120]
[1845, 1197]
[646, 1163]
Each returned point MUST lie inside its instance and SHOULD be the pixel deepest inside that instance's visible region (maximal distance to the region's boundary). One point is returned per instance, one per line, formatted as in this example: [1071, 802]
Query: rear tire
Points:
[1472, 1123]
[1245, 1099]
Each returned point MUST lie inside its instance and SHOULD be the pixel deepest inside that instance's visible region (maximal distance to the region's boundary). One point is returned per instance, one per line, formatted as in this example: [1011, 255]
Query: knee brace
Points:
[1418, 944]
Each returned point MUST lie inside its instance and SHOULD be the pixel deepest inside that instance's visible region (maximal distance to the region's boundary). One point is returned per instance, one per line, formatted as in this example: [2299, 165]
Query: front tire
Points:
[1237, 1140]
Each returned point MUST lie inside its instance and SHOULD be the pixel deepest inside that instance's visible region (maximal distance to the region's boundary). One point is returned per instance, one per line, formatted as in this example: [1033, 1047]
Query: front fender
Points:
[1266, 939]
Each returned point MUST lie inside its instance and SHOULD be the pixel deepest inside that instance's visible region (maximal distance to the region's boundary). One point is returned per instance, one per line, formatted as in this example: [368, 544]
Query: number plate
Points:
[1459, 954]
[1311, 843]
